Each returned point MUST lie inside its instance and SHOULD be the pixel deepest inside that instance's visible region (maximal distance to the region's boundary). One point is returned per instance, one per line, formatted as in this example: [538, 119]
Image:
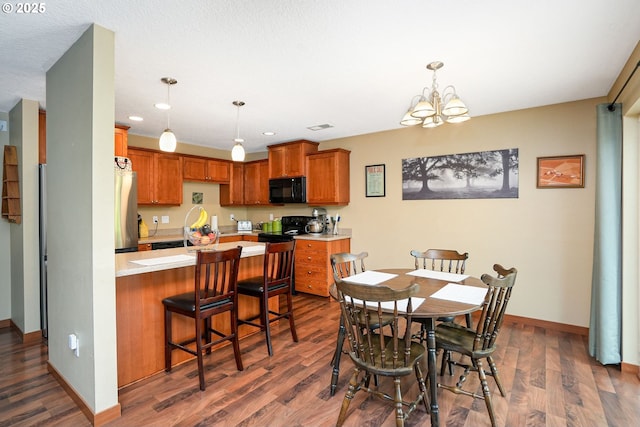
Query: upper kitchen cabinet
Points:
[328, 177]
[120, 140]
[256, 182]
[232, 194]
[288, 159]
[159, 176]
[205, 169]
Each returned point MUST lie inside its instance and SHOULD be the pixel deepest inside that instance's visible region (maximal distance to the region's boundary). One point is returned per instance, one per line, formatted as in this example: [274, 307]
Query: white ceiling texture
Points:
[352, 64]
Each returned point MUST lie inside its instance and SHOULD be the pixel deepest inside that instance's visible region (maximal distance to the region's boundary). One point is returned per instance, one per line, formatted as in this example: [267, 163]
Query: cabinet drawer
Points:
[311, 245]
[317, 259]
[312, 286]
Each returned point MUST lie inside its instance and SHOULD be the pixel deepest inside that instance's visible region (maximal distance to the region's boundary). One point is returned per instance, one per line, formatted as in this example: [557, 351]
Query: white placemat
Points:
[369, 278]
[388, 305]
[461, 293]
[164, 260]
[257, 249]
[440, 275]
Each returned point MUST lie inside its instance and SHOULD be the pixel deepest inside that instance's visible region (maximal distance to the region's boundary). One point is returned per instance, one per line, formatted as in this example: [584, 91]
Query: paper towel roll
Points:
[214, 222]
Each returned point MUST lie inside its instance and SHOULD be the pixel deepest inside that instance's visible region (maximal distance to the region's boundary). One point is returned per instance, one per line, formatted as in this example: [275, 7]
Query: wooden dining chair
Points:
[344, 265]
[276, 280]
[216, 276]
[445, 260]
[480, 343]
[392, 354]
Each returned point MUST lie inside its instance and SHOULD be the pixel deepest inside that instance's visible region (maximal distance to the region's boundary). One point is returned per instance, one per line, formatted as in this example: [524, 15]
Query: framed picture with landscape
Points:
[561, 171]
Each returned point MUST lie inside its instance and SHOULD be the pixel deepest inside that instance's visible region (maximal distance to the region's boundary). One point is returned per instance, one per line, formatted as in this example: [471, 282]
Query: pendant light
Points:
[237, 153]
[168, 139]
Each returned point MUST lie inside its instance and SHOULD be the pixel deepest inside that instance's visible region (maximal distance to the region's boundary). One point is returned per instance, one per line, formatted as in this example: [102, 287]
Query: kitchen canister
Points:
[276, 226]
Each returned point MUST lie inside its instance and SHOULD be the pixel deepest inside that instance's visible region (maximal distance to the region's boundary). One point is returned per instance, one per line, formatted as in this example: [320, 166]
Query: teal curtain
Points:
[605, 326]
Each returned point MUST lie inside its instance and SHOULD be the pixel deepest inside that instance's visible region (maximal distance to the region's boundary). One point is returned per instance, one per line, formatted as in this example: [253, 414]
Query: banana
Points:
[202, 219]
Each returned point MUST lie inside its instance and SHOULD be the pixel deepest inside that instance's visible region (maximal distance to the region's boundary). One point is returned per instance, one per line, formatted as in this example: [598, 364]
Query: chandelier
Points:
[431, 109]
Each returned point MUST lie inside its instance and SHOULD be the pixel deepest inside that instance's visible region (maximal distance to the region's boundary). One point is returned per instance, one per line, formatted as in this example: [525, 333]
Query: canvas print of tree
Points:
[481, 175]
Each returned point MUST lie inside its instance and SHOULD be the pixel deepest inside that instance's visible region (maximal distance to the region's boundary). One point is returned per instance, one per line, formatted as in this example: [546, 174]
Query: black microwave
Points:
[288, 190]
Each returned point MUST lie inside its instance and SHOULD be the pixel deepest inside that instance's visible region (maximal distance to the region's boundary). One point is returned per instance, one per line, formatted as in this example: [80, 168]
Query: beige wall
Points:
[80, 200]
[546, 233]
[25, 267]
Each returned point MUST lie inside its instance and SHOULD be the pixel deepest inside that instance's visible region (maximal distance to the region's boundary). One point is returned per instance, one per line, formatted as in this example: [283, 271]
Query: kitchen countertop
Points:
[180, 237]
[343, 234]
[128, 263]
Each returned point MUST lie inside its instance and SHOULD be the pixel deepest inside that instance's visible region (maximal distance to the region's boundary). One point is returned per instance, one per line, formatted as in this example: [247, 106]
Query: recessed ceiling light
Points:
[268, 133]
[162, 106]
[320, 127]
[136, 118]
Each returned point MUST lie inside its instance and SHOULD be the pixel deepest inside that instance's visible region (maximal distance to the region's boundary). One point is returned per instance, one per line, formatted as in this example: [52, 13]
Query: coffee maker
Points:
[321, 215]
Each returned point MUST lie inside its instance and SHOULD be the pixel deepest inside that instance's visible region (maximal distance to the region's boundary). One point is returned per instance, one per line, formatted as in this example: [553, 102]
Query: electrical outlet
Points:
[155, 219]
[232, 217]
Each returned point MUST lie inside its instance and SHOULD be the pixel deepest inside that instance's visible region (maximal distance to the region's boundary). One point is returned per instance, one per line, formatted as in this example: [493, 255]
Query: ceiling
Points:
[354, 64]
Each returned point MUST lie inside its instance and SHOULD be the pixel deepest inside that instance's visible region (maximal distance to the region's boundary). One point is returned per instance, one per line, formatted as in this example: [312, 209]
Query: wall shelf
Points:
[10, 185]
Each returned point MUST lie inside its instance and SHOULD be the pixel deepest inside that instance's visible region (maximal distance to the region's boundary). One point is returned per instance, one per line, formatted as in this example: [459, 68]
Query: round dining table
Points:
[430, 310]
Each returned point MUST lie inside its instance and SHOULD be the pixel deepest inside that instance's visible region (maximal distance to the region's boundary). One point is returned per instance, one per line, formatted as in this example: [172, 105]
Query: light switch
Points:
[165, 219]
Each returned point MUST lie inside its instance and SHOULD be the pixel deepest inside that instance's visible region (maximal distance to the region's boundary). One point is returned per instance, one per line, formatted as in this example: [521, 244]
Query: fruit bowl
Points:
[198, 238]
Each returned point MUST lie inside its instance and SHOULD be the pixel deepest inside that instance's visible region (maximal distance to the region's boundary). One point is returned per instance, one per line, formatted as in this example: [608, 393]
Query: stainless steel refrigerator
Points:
[126, 206]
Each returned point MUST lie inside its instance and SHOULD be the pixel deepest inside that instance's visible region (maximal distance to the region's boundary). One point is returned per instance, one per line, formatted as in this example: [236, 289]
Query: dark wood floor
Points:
[549, 378]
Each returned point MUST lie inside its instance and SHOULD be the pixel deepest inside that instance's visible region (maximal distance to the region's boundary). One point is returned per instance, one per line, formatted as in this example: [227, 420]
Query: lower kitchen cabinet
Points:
[313, 266]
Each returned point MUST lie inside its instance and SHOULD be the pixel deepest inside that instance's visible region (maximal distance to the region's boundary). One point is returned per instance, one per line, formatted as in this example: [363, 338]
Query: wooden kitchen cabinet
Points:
[328, 177]
[121, 135]
[232, 194]
[205, 169]
[256, 182]
[288, 159]
[159, 176]
[313, 266]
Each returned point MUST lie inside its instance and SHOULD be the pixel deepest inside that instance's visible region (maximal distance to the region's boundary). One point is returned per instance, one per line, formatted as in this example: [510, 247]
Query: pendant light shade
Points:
[168, 140]
[237, 152]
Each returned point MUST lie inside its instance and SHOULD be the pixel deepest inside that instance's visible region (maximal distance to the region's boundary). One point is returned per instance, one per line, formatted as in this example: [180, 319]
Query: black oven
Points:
[288, 190]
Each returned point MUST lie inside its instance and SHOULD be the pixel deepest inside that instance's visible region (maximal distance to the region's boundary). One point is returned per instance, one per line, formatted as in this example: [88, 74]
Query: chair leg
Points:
[446, 360]
[353, 384]
[486, 393]
[264, 318]
[292, 325]
[398, 401]
[335, 362]
[496, 377]
[235, 340]
[199, 354]
[468, 320]
[167, 340]
[423, 387]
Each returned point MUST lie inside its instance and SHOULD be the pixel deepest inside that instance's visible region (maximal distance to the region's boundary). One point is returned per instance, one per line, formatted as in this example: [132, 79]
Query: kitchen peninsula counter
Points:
[131, 263]
[140, 313]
